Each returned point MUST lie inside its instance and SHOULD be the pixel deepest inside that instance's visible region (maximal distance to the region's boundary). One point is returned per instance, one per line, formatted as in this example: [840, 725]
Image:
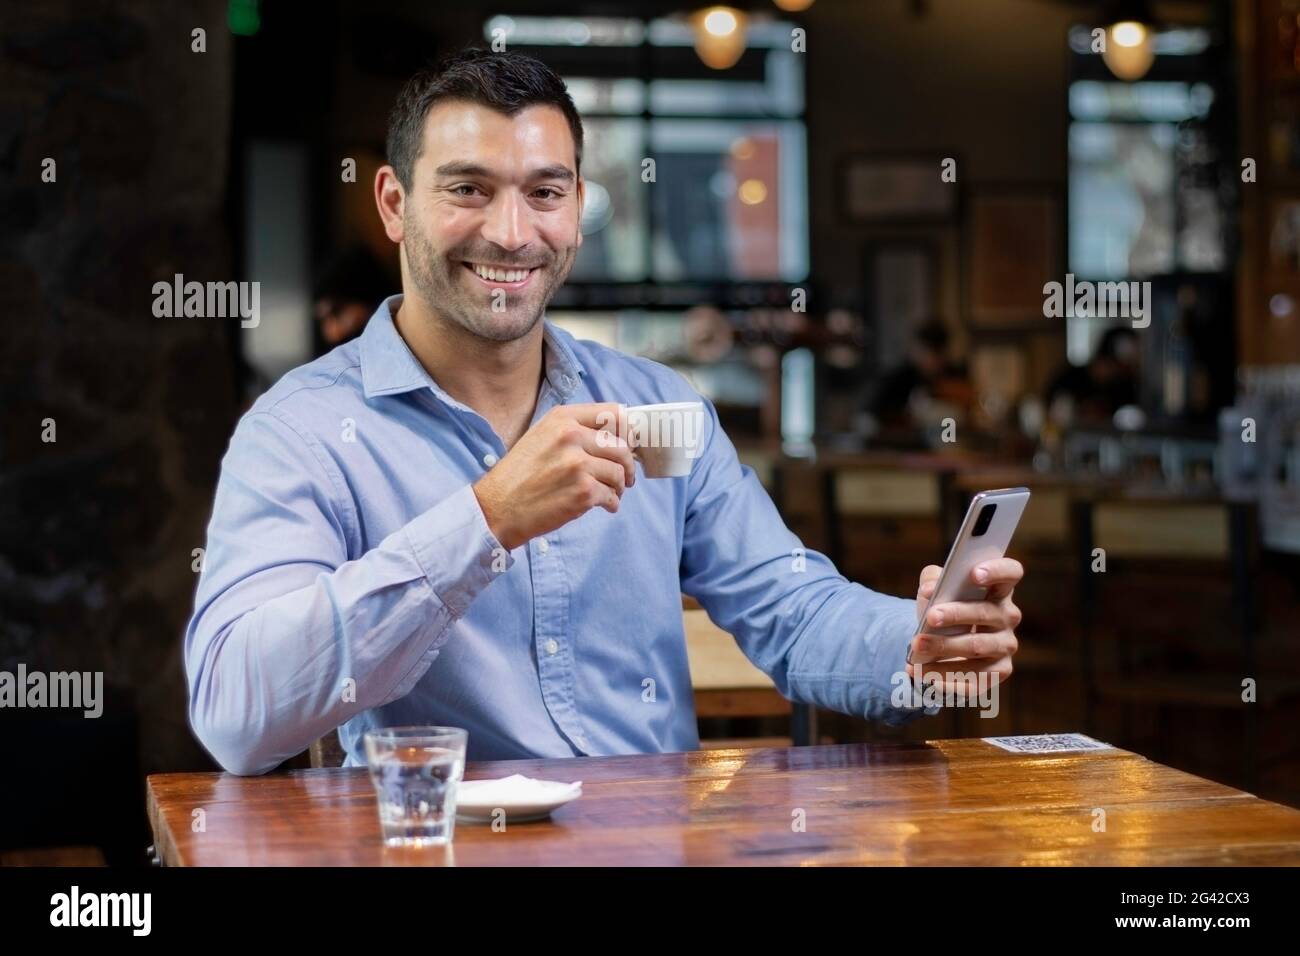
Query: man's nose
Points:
[508, 223]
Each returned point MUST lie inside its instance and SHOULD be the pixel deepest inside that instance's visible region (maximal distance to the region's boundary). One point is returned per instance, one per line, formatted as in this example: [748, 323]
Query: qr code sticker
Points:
[1047, 743]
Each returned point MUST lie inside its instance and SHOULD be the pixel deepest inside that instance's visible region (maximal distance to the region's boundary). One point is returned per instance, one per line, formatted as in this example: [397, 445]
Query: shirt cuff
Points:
[456, 550]
[902, 699]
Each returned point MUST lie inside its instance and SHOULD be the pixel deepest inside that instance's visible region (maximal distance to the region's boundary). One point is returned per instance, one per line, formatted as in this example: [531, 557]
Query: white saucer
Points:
[523, 799]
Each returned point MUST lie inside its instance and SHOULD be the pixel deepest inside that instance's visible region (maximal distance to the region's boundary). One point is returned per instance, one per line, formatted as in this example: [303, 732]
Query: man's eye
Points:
[465, 189]
[547, 193]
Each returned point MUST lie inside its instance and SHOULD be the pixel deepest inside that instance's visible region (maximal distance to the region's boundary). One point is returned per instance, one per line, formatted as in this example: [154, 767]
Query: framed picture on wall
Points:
[900, 292]
[878, 188]
[1013, 244]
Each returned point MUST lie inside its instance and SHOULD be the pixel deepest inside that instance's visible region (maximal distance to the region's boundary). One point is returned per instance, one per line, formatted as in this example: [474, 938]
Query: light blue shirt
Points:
[350, 579]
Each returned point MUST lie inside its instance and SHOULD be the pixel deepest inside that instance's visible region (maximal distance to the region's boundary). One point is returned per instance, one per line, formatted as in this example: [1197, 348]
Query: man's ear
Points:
[390, 199]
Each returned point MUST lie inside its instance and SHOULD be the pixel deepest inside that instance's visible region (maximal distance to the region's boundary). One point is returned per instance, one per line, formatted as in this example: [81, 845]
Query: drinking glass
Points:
[416, 772]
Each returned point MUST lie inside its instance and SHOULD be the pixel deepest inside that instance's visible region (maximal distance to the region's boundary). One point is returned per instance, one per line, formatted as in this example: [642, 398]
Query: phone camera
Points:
[984, 520]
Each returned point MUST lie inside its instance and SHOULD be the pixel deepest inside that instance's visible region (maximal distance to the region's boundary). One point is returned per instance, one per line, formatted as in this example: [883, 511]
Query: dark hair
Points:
[505, 82]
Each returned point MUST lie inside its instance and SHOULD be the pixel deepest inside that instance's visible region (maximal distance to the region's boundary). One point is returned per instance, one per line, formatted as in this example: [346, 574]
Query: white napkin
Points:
[516, 789]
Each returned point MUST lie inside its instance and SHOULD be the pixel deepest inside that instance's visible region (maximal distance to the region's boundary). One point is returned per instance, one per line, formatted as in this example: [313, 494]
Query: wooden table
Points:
[943, 802]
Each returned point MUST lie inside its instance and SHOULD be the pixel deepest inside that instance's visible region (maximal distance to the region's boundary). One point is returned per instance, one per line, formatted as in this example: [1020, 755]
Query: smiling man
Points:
[434, 523]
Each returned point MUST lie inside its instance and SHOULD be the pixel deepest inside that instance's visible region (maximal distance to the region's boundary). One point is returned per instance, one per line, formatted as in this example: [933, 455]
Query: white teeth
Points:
[500, 275]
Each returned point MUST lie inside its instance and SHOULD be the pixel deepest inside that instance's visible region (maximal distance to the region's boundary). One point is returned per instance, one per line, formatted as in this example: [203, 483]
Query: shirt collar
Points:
[389, 367]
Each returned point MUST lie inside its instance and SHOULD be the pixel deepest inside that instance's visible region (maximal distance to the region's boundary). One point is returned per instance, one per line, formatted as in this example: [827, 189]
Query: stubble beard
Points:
[437, 278]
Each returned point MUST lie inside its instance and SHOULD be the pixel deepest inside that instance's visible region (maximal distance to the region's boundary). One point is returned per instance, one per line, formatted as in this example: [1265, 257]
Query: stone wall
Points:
[98, 525]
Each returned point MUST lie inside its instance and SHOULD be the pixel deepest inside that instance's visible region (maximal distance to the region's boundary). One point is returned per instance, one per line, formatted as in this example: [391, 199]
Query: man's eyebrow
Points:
[555, 171]
[462, 168]
[467, 168]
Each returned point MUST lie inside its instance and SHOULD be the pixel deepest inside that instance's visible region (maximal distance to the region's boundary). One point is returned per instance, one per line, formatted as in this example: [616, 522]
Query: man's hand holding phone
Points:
[992, 623]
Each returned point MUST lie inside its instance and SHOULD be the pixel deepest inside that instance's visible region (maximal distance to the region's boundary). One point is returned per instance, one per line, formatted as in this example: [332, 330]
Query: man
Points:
[433, 524]
[1091, 394]
[927, 374]
[345, 295]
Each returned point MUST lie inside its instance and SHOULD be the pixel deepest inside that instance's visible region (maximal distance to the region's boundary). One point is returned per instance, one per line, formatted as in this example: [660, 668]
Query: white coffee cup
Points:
[665, 438]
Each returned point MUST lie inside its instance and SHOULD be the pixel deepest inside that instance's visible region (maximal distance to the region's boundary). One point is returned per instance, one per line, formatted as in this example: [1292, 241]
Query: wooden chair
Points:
[884, 523]
[327, 751]
[1160, 552]
[727, 685]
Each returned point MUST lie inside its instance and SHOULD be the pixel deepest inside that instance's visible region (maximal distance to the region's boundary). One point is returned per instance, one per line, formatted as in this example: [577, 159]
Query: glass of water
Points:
[416, 771]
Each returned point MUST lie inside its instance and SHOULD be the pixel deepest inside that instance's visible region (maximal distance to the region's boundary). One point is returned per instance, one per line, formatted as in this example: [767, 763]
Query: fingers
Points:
[594, 428]
[607, 445]
[601, 416]
[994, 615]
[952, 671]
[930, 575]
[933, 647]
[963, 677]
[999, 575]
[611, 476]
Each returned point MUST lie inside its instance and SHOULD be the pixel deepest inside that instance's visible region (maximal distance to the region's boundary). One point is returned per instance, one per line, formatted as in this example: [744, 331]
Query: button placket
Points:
[555, 661]
[552, 646]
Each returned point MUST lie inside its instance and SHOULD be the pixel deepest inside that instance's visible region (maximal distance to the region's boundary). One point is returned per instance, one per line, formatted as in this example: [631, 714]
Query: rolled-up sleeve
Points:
[822, 639]
[290, 638]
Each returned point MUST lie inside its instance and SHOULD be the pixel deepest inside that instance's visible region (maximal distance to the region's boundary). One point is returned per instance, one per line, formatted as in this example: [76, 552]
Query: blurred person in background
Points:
[924, 388]
[1093, 392]
[351, 284]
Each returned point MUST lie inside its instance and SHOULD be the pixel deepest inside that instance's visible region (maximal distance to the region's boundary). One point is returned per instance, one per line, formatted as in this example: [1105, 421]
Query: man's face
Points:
[491, 217]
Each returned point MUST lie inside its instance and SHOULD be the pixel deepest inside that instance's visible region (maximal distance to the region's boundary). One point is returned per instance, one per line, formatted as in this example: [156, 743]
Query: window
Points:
[728, 199]
[1143, 180]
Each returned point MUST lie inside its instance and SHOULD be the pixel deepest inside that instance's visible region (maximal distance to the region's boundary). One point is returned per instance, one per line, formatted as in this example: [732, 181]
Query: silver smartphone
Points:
[985, 534]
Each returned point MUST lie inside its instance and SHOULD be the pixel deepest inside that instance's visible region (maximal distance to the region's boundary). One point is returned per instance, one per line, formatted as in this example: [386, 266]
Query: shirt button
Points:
[490, 459]
[543, 545]
[552, 647]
